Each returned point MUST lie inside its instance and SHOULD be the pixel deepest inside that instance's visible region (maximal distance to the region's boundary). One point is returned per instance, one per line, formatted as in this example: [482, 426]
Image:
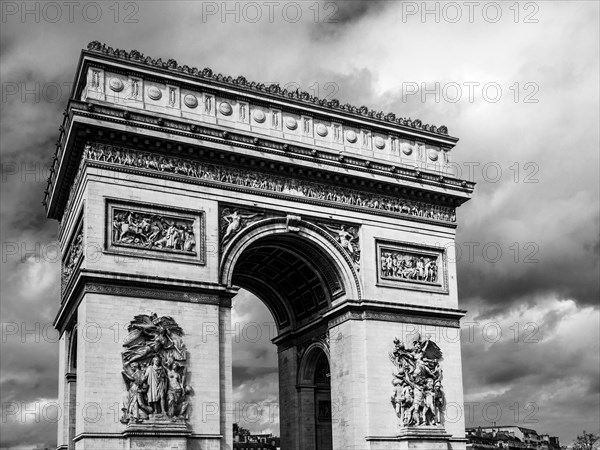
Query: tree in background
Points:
[585, 441]
[240, 431]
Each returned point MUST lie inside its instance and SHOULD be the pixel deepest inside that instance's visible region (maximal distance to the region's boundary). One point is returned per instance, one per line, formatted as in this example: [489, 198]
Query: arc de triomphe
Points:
[174, 187]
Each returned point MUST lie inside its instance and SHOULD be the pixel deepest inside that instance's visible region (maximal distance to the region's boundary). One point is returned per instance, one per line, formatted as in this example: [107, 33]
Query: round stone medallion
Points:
[321, 130]
[433, 155]
[259, 116]
[407, 149]
[291, 123]
[379, 142]
[154, 93]
[116, 84]
[351, 136]
[190, 101]
[225, 109]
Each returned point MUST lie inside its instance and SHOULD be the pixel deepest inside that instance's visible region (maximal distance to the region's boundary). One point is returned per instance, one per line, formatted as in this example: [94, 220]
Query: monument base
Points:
[416, 438]
[157, 432]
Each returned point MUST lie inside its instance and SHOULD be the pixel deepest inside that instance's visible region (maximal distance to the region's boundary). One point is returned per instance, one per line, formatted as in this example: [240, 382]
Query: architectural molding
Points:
[107, 283]
[71, 377]
[392, 312]
[400, 172]
[240, 83]
[190, 435]
[321, 341]
[428, 174]
[278, 221]
[172, 167]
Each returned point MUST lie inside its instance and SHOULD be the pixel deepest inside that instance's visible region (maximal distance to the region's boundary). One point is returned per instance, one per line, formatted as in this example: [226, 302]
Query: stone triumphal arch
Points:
[174, 187]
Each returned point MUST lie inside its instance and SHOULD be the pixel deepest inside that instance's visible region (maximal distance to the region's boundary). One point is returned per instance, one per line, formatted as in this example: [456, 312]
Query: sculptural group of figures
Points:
[154, 371]
[257, 180]
[152, 231]
[406, 266]
[418, 398]
[73, 258]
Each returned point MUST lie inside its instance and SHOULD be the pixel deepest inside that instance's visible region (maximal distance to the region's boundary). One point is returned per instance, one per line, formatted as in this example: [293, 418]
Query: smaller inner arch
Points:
[293, 276]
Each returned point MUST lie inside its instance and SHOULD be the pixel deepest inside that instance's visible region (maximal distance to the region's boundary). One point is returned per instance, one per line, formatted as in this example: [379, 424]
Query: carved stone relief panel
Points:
[134, 89]
[276, 119]
[347, 236]
[94, 88]
[173, 96]
[73, 255]
[307, 126]
[366, 139]
[234, 219]
[337, 133]
[155, 231]
[209, 103]
[418, 397]
[243, 112]
[154, 371]
[409, 266]
[257, 180]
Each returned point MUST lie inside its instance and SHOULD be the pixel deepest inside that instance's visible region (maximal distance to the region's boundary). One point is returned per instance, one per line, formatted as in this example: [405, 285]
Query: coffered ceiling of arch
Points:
[291, 276]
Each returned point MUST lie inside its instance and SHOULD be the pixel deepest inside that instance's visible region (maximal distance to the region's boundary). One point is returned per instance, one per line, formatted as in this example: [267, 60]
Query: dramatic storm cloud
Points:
[520, 91]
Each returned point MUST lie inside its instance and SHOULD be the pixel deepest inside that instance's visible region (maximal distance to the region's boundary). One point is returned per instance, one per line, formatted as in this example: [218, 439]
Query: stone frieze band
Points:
[252, 179]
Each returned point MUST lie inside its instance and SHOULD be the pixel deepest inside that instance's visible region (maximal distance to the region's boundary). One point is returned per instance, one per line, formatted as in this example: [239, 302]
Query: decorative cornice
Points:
[152, 292]
[273, 89]
[457, 188]
[159, 288]
[141, 119]
[391, 312]
[188, 436]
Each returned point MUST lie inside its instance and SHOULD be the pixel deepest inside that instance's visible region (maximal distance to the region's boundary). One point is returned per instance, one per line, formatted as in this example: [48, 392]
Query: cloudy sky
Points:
[518, 83]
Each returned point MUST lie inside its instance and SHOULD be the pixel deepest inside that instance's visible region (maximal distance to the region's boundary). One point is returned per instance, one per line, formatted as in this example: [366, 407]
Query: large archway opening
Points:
[255, 380]
[291, 275]
[298, 273]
